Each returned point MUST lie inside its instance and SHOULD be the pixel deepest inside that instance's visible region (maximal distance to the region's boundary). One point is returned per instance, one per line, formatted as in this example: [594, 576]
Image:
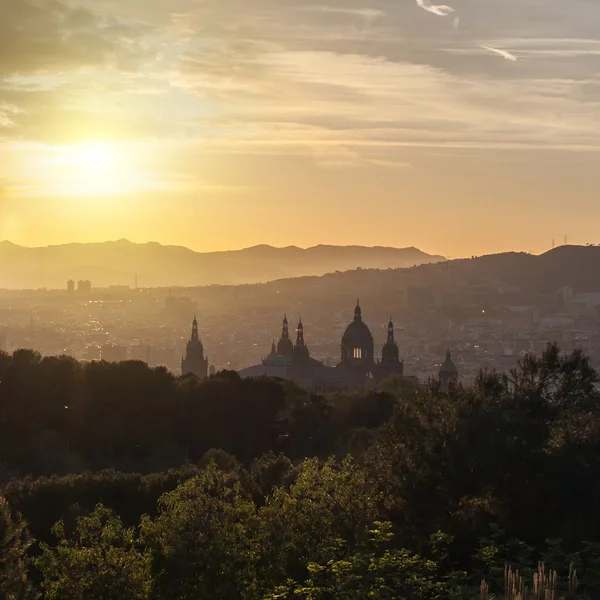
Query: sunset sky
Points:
[220, 124]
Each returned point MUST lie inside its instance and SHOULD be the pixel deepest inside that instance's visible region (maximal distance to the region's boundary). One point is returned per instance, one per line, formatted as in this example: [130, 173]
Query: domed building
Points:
[357, 370]
[289, 361]
[358, 347]
[358, 362]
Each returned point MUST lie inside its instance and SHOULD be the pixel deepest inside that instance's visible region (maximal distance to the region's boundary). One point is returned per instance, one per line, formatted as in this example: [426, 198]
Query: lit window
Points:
[358, 353]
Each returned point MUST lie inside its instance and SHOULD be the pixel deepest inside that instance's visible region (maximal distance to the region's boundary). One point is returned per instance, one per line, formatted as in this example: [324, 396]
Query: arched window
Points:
[358, 353]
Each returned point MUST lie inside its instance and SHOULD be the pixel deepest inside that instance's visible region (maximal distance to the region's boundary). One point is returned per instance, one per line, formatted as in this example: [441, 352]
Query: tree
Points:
[328, 505]
[205, 540]
[14, 543]
[101, 560]
[376, 571]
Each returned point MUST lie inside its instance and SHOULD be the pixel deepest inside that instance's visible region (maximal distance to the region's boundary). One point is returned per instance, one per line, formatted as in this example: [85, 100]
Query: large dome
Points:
[357, 334]
[358, 348]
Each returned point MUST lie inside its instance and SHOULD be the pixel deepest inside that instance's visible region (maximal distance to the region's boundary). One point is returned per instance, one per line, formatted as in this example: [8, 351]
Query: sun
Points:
[88, 169]
[97, 157]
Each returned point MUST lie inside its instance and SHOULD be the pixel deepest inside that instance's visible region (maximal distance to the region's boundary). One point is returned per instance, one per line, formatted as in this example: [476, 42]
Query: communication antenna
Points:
[553, 245]
[566, 240]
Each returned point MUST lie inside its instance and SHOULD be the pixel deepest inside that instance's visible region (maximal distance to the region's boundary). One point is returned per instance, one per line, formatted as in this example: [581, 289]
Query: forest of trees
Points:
[119, 481]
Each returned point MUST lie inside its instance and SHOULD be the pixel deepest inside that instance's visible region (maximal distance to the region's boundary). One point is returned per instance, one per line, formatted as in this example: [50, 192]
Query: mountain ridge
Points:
[156, 265]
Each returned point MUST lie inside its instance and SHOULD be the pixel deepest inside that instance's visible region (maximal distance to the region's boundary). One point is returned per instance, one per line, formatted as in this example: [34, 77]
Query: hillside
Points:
[117, 263]
[518, 275]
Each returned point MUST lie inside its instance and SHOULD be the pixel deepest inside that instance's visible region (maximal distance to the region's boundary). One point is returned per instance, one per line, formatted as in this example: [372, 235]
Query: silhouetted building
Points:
[285, 347]
[70, 286]
[357, 368]
[84, 287]
[448, 373]
[358, 347]
[390, 355]
[194, 362]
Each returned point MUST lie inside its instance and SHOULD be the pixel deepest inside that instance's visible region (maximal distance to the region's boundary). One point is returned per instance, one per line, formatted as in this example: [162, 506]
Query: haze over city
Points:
[462, 129]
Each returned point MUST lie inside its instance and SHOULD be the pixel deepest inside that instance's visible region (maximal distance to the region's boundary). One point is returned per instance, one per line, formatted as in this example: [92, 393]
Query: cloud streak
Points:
[442, 10]
[503, 53]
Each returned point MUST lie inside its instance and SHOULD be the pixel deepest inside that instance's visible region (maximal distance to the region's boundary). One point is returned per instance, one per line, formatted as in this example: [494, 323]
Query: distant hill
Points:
[117, 263]
[519, 277]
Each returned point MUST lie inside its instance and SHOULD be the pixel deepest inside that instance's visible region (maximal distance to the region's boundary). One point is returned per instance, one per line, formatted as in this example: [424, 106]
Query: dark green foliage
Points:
[508, 468]
[327, 505]
[59, 417]
[377, 570]
[14, 543]
[50, 499]
[100, 560]
[205, 540]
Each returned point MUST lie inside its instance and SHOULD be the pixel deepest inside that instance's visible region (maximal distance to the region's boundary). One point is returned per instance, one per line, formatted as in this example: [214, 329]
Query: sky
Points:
[461, 129]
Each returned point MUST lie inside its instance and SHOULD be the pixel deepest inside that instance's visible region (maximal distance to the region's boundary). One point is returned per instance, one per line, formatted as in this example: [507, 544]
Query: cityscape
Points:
[487, 323]
[299, 300]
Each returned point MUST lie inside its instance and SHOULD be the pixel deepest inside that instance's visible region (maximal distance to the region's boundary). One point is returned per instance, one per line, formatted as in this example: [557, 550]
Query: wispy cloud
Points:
[503, 53]
[364, 13]
[441, 10]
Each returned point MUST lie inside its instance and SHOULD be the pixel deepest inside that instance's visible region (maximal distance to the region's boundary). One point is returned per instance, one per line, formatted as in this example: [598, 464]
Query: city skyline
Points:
[220, 125]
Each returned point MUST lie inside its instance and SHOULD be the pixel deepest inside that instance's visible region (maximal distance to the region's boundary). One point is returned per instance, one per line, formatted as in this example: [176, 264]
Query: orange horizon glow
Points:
[299, 124]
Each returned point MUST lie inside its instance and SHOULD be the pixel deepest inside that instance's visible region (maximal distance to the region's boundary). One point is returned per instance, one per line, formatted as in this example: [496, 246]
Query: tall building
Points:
[84, 287]
[358, 368]
[285, 347]
[448, 374]
[70, 286]
[301, 353]
[194, 362]
[390, 355]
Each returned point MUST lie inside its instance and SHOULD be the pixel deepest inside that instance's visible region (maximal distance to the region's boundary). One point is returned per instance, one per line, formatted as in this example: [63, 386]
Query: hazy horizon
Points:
[460, 129]
[558, 242]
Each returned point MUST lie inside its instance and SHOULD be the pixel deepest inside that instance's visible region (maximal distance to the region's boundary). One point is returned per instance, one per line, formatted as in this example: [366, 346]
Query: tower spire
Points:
[194, 361]
[357, 311]
[300, 334]
[285, 346]
[390, 337]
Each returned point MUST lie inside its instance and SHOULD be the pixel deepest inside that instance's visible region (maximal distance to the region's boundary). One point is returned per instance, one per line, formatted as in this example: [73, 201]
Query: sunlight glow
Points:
[82, 171]
[89, 170]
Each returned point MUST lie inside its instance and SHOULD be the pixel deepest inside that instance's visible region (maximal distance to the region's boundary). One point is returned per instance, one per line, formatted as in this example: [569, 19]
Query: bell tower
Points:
[300, 350]
[390, 355]
[195, 362]
[285, 347]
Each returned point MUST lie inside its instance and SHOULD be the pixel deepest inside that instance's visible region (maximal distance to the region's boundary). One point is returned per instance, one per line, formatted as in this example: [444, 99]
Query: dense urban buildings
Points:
[488, 312]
